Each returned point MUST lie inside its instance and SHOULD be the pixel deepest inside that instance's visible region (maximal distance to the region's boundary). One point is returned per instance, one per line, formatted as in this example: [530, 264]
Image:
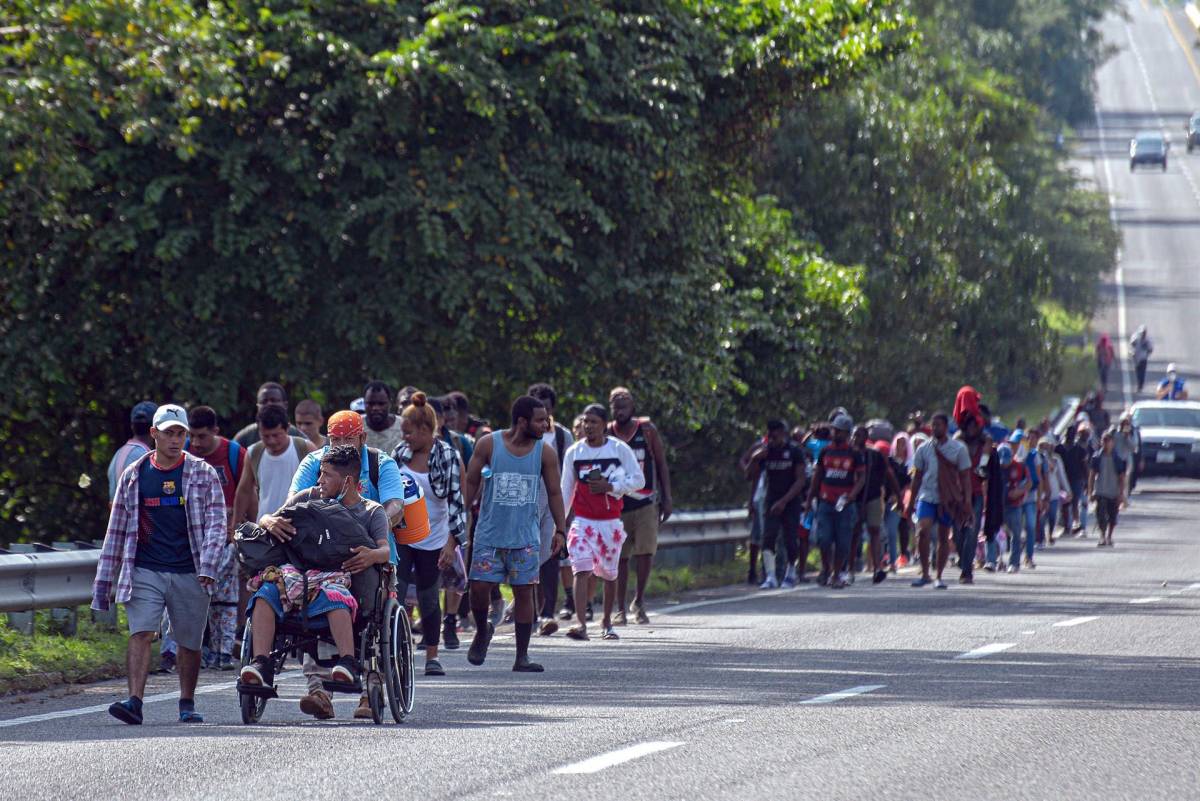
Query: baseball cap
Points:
[1172, 368]
[168, 416]
[143, 412]
[843, 422]
[359, 405]
[883, 446]
[345, 424]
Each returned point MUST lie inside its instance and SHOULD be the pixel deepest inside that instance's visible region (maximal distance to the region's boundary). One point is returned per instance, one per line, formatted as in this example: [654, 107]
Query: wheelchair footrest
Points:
[343, 687]
[257, 690]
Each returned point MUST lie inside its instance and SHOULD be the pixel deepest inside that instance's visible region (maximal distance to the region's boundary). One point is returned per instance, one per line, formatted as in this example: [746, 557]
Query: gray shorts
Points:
[181, 594]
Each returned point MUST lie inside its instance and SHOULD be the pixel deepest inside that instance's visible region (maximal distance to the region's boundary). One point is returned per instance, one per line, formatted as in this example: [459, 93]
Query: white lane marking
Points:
[1119, 274]
[735, 720]
[1075, 621]
[986, 650]
[599, 763]
[1149, 600]
[850, 692]
[671, 610]
[1030, 631]
[149, 699]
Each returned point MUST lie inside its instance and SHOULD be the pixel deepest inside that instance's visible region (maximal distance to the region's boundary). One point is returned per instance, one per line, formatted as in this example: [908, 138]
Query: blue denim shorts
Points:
[515, 566]
[927, 510]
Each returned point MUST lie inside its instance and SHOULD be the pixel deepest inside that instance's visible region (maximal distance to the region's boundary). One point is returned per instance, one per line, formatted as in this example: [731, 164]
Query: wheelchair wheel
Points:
[396, 651]
[252, 705]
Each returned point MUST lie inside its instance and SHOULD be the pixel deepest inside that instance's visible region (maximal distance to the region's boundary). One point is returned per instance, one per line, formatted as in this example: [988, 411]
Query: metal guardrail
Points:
[63, 578]
[1193, 15]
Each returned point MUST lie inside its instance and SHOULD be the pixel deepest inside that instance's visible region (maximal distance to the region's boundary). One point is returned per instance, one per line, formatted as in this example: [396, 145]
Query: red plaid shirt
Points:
[206, 524]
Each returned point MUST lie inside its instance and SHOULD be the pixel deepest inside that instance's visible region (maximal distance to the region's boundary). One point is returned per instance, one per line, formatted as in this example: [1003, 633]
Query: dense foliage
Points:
[197, 196]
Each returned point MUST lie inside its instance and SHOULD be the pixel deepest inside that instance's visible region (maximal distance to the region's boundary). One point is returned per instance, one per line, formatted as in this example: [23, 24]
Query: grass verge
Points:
[49, 659]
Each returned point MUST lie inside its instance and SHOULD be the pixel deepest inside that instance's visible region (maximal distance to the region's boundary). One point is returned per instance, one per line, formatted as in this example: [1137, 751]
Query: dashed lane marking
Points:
[1075, 621]
[986, 650]
[599, 763]
[840, 695]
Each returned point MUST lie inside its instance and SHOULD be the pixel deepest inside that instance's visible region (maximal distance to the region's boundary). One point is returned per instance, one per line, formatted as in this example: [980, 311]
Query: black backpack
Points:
[326, 533]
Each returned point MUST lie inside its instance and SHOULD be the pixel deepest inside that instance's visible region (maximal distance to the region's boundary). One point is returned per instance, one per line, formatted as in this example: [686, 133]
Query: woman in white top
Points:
[433, 466]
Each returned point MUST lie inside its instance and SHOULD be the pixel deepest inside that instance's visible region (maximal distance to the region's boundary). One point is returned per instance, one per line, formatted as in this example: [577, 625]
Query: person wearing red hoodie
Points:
[598, 472]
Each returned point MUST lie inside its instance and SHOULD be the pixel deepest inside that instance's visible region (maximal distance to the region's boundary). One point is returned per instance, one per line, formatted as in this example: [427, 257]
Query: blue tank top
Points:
[509, 514]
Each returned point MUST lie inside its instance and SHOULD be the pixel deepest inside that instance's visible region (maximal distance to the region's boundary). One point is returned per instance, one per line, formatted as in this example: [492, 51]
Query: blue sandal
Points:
[190, 716]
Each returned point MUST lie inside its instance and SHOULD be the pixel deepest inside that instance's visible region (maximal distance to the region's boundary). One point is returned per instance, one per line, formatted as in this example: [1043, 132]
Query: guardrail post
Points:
[23, 621]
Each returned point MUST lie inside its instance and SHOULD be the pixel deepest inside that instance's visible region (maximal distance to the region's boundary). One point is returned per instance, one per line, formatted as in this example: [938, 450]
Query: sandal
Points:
[578, 633]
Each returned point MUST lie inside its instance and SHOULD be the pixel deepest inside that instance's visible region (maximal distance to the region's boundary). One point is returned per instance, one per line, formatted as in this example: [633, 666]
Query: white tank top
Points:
[275, 479]
[439, 513]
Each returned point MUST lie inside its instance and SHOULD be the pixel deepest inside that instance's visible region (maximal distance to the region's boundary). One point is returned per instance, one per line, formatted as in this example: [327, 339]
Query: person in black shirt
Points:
[878, 478]
[783, 462]
[1075, 456]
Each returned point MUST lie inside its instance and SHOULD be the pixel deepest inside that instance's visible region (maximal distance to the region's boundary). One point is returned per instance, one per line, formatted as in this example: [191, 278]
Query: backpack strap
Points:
[235, 451]
[298, 444]
[256, 455]
[373, 457]
[560, 443]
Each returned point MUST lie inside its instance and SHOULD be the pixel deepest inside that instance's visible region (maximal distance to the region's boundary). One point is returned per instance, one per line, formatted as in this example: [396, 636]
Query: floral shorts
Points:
[595, 546]
[517, 567]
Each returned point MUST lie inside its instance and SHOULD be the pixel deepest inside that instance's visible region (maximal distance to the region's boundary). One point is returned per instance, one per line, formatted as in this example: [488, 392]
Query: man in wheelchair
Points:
[337, 595]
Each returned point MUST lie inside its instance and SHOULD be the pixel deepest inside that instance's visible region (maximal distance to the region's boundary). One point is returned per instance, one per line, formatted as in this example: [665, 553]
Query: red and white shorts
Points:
[595, 546]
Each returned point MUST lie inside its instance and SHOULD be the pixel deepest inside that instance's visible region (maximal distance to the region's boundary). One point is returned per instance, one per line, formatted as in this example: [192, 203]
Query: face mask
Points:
[345, 488]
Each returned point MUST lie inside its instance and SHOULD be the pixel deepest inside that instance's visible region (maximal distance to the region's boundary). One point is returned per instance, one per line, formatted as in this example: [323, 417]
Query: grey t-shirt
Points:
[371, 515]
[1107, 478]
[385, 440]
[926, 461]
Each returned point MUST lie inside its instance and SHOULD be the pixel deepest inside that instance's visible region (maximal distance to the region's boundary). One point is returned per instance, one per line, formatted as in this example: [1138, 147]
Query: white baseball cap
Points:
[168, 416]
[1171, 368]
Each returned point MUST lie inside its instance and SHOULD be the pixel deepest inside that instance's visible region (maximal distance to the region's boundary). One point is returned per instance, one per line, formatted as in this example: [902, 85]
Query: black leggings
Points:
[424, 564]
[548, 578]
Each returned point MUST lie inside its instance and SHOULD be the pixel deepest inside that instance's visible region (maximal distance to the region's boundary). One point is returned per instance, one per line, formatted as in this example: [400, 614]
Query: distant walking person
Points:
[1105, 355]
[1172, 386]
[1106, 487]
[1140, 347]
[645, 509]
[164, 542]
[136, 446]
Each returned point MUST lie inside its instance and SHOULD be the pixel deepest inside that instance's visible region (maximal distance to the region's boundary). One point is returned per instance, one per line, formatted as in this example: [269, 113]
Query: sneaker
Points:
[788, 582]
[345, 671]
[1013, 569]
[879, 577]
[922, 582]
[578, 632]
[190, 716]
[902, 562]
[548, 627]
[939, 585]
[1029, 564]
[124, 712]
[769, 584]
[609, 634]
[989, 567]
[166, 662]
[588, 613]
[225, 662]
[966, 579]
[319, 705]
[479, 646]
[823, 578]
[363, 712]
[450, 633]
[568, 610]
[846, 578]
[259, 673]
[507, 617]
[619, 618]
[434, 668]
[790, 576]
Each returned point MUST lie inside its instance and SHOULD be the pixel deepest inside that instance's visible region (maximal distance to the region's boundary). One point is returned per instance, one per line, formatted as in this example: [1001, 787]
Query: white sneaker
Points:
[769, 584]
[845, 577]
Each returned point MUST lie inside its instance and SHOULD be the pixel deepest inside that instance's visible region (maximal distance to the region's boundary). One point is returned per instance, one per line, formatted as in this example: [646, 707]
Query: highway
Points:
[1077, 680]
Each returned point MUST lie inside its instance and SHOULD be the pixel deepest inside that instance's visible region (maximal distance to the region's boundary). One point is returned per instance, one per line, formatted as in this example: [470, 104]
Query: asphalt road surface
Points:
[1077, 680]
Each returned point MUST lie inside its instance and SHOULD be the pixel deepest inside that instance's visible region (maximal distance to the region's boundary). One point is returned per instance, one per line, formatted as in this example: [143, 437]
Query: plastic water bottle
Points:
[841, 502]
[808, 520]
[487, 471]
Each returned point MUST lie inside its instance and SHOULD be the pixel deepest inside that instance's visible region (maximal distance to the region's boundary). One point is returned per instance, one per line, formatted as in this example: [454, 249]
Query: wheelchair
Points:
[383, 641]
